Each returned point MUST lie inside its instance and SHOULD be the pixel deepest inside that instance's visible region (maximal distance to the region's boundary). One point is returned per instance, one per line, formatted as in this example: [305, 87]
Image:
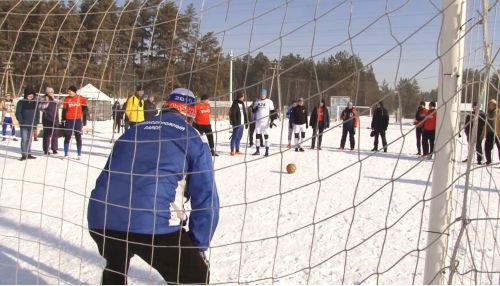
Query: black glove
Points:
[272, 124]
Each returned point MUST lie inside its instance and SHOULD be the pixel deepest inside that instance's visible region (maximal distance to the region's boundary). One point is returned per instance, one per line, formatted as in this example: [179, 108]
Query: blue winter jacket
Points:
[137, 188]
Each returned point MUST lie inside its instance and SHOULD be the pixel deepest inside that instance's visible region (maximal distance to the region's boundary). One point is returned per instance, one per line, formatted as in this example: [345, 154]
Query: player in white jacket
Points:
[265, 114]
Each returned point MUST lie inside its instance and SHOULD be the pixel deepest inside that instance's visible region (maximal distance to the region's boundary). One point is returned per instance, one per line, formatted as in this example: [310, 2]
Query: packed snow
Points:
[343, 217]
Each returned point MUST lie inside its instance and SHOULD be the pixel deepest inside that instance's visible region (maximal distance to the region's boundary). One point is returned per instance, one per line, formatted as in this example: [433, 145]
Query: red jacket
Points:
[202, 113]
[430, 120]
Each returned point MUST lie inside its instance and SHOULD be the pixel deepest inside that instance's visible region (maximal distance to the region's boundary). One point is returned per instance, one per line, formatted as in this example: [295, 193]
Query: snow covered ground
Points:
[343, 217]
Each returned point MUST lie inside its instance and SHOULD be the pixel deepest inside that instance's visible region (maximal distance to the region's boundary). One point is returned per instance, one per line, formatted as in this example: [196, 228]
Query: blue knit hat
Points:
[183, 100]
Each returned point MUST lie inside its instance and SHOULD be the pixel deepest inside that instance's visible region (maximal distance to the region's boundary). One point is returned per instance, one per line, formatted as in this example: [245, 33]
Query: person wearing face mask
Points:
[429, 131]
[27, 114]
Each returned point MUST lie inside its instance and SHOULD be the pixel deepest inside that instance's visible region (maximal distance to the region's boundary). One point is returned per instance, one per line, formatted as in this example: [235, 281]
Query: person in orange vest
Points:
[202, 122]
[429, 132]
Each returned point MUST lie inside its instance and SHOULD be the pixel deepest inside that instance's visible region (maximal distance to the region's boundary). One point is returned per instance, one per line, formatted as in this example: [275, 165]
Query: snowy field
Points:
[344, 216]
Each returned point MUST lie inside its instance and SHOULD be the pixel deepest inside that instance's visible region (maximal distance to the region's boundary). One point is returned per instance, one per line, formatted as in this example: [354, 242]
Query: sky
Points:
[319, 29]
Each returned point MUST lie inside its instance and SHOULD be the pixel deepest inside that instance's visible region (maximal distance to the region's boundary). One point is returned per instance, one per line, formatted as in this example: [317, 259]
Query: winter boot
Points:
[256, 152]
[267, 152]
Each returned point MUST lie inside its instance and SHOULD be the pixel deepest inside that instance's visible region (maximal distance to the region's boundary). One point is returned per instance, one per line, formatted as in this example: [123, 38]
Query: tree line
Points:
[154, 44]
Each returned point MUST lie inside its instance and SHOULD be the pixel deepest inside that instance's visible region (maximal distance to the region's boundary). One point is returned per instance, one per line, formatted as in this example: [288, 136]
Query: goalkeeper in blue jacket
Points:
[140, 202]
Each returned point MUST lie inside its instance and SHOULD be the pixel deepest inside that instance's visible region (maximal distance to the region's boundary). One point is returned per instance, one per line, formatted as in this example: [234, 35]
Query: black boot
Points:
[256, 152]
[267, 152]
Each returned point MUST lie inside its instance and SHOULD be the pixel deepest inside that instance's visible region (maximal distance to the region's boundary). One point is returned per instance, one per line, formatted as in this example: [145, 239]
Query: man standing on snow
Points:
[202, 122]
[299, 120]
[349, 125]
[74, 117]
[137, 206]
[290, 124]
[380, 122]
[264, 117]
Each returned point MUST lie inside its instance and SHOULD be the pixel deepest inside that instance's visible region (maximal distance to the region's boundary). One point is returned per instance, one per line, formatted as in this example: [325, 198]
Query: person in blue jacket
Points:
[138, 204]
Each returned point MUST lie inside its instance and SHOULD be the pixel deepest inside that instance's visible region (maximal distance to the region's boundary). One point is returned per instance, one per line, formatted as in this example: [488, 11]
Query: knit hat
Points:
[72, 88]
[433, 104]
[492, 101]
[183, 100]
[263, 91]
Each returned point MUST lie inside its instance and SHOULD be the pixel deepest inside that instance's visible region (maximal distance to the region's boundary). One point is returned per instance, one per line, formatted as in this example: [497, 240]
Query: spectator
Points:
[202, 122]
[349, 119]
[319, 121]
[265, 114]
[480, 128]
[238, 119]
[492, 130]
[429, 131]
[251, 126]
[419, 124]
[117, 116]
[27, 114]
[50, 122]
[380, 122]
[150, 109]
[7, 115]
[137, 205]
[135, 107]
[74, 116]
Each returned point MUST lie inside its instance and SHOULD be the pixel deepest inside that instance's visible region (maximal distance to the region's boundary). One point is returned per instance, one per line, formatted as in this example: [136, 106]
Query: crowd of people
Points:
[257, 118]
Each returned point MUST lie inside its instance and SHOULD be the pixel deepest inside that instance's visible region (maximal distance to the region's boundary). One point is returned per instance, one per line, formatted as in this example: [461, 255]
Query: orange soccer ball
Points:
[290, 168]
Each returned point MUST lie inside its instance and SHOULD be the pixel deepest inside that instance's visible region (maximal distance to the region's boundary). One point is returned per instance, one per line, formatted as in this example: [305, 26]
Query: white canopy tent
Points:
[99, 103]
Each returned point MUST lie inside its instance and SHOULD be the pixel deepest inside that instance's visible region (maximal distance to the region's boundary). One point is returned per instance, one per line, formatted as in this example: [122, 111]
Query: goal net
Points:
[344, 216]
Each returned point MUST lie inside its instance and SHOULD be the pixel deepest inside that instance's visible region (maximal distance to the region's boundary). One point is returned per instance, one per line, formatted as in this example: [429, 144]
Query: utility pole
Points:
[230, 76]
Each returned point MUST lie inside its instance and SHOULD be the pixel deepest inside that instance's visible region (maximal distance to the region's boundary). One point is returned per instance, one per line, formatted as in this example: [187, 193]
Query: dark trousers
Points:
[251, 130]
[428, 137]
[206, 129]
[117, 124]
[320, 128]
[479, 144]
[50, 136]
[380, 133]
[419, 132]
[346, 130]
[73, 127]
[488, 145]
[174, 256]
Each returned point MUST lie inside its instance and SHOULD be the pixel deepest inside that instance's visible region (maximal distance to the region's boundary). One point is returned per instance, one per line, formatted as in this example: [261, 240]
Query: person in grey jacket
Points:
[50, 122]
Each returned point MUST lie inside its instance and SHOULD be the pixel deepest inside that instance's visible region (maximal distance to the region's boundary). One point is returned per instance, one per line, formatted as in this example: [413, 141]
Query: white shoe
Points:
[79, 158]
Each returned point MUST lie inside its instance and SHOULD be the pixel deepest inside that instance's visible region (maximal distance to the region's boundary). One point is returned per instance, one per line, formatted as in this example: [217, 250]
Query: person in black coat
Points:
[150, 109]
[117, 116]
[319, 121]
[349, 119]
[299, 120]
[380, 121]
[239, 121]
[480, 128]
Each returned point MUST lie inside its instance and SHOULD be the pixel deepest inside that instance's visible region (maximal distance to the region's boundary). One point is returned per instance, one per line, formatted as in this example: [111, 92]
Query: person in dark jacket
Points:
[150, 109]
[290, 124]
[251, 125]
[50, 122]
[137, 205]
[480, 127]
[299, 120]
[349, 124]
[27, 114]
[492, 130]
[419, 124]
[117, 116]
[319, 121]
[380, 122]
[239, 120]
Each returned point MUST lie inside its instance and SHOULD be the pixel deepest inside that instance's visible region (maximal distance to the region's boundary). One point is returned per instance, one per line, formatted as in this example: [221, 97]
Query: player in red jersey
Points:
[202, 122]
[74, 114]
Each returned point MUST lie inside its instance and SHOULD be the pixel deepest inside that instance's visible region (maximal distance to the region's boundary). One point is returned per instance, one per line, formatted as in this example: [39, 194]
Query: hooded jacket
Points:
[139, 189]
